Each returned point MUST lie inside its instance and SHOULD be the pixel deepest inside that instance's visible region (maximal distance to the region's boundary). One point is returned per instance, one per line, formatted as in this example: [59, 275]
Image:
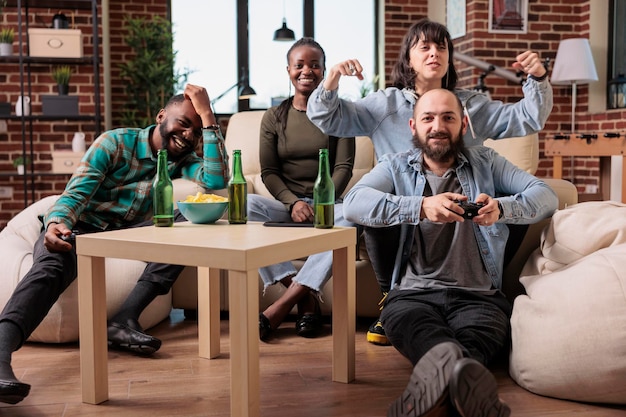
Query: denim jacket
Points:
[384, 115]
[392, 193]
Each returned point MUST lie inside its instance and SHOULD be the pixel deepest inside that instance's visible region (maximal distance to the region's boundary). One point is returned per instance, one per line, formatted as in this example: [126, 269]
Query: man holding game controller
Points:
[112, 189]
[446, 312]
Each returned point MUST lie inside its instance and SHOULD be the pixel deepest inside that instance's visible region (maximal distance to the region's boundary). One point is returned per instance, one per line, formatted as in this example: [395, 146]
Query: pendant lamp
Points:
[284, 33]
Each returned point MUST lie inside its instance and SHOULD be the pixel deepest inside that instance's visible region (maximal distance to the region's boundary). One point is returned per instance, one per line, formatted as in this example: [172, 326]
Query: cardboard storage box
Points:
[59, 105]
[65, 162]
[55, 43]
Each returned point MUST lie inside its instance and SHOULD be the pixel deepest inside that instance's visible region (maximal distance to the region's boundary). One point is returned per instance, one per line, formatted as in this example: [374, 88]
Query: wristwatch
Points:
[212, 127]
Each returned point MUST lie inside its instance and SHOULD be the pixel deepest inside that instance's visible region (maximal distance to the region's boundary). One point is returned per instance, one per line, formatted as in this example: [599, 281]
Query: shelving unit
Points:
[26, 63]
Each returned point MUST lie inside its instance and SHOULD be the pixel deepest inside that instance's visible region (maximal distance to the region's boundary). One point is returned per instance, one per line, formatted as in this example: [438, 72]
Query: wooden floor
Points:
[295, 380]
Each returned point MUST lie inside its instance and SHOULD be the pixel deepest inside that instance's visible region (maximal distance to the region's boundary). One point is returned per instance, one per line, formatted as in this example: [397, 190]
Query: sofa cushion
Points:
[522, 151]
[244, 130]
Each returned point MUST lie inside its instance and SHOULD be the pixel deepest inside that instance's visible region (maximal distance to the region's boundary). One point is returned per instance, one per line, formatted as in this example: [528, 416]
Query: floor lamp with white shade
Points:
[574, 65]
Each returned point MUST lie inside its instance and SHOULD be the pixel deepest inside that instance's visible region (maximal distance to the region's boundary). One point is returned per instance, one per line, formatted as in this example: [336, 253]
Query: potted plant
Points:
[151, 77]
[6, 41]
[61, 76]
[20, 162]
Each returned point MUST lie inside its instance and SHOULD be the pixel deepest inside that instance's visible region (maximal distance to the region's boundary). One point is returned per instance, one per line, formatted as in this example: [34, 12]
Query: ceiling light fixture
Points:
[284, 33]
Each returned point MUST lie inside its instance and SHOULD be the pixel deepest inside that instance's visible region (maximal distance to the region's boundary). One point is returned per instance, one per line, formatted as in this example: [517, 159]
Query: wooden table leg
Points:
[604, 183]
[344, 314]
[624, 179]
[208, 312]
[243, 297]
[92, 315]
[557, 167]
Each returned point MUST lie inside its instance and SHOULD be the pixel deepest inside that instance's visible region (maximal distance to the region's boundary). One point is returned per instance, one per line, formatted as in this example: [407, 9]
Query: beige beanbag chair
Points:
[61, 323]
[569, 331]
[576, 232]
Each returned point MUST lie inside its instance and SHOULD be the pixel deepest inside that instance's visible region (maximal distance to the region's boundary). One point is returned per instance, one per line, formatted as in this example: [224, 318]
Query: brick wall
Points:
[57, 135]
[549, 22]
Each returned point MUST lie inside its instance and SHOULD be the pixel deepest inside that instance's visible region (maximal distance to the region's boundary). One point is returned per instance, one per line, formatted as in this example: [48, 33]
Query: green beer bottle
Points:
[324, 195]
[163, 193]
[237, 193]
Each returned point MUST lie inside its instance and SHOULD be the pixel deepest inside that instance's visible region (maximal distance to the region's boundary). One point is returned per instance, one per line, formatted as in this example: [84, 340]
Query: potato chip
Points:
[204, 198]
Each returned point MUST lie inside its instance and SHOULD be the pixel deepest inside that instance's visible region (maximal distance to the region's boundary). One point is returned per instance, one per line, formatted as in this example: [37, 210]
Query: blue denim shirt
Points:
[384, 115]
[392, 193]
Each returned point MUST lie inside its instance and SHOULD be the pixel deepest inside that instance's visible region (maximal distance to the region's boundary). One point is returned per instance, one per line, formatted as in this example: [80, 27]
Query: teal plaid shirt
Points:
[112, 186]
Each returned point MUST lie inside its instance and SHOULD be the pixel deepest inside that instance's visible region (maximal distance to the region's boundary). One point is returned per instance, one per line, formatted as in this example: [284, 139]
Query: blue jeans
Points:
[417, 320]
[317, 269]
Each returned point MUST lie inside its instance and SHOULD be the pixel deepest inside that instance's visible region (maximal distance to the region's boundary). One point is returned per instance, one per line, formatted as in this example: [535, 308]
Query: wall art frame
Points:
[508, 16]
[455, 18]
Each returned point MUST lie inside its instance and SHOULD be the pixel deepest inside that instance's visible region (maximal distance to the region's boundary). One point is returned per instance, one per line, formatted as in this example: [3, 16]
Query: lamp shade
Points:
[574, 63]
[284, 33]
[245, 91]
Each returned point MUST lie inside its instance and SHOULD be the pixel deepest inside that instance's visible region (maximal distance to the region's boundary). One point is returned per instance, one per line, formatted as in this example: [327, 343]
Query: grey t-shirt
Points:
[445, 255]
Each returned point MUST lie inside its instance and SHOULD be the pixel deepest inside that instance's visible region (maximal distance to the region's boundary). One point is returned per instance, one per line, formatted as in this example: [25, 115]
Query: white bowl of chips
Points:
[203, 208]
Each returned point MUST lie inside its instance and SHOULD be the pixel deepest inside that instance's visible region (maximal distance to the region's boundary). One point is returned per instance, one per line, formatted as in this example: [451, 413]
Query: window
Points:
[268, 62]
[205, 38]
[346, 29]
[617, 40]
[205, 41]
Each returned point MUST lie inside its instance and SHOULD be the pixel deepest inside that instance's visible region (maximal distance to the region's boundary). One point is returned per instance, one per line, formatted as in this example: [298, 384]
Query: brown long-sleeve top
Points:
[289, 160]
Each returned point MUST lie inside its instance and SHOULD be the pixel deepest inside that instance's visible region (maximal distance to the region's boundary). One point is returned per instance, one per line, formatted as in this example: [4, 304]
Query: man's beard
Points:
[441, 152]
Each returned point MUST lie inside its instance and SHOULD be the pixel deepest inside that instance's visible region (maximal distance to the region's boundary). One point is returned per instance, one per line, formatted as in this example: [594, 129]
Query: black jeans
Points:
[382, 246]
[417, 320]
[52, 273]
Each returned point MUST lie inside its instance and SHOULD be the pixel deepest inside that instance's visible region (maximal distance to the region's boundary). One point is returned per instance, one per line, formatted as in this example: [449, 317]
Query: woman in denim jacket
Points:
[425, 63]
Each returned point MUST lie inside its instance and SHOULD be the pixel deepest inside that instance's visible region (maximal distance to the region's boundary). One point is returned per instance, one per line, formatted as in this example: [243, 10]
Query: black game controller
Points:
[471, 209]
[69, 238]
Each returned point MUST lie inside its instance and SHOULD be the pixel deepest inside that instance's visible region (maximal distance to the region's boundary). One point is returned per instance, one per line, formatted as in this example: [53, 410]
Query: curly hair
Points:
[402, 75]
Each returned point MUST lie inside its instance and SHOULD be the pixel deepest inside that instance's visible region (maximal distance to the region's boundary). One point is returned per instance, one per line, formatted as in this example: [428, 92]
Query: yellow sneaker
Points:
[376, 334]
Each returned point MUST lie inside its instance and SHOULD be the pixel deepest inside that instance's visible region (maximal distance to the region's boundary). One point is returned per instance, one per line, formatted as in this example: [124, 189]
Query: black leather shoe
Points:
[13, 391]
[265, 328]
[131, 338]
[310, 324]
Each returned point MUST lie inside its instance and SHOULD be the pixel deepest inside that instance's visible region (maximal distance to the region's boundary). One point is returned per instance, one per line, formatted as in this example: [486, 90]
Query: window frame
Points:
[308, 24]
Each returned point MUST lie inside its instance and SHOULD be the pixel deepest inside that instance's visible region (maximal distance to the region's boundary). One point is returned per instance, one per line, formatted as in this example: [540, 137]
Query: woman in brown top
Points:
[289, 150]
